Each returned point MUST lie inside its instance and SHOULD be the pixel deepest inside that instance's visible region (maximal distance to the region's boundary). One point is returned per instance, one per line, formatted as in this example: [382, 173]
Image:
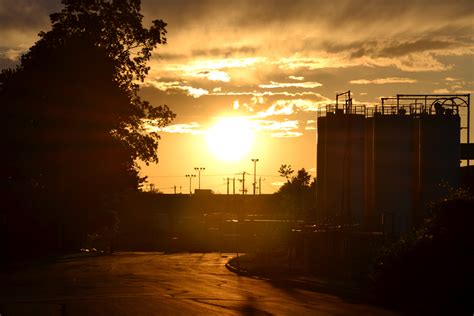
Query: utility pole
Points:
[199, 169]
[228, 180]
[233, 186]
[180, 189]
[254, 160]
[243, 182]
[174, 189]
[190, 176]
[260, 185]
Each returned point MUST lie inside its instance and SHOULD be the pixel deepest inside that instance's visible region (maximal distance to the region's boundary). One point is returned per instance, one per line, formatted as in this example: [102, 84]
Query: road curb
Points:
[316, 285]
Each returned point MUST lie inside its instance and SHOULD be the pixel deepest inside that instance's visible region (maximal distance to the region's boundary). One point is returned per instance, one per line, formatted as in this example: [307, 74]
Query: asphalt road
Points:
[157, 284]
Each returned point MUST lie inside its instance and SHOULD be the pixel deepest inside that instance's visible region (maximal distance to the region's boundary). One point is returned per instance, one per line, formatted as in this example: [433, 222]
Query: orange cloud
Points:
[383, 81]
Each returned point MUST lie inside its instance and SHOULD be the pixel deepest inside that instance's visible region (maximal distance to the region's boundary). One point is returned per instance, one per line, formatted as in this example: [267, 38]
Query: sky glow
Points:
[275, 63]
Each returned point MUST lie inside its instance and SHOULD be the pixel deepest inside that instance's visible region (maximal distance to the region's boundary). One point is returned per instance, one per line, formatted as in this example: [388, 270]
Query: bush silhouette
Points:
[431, 269]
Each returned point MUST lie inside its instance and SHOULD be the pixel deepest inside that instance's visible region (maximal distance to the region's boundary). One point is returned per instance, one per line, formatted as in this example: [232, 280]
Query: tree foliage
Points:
[298, 192]
[286, 171]
[430, 270]
[116, 27]
[75, 123]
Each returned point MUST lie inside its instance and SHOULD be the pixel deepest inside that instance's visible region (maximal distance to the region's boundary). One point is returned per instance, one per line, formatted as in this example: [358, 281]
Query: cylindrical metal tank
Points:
[372, 219]
[383, 171]
[340, 169]
[438, 154]
[393, 171]
[321, 168]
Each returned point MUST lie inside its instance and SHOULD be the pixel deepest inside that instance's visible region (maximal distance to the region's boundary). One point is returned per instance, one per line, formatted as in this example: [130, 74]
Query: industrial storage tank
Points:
[393, 166]
[340, 166]
[438, 155]
[382, 168]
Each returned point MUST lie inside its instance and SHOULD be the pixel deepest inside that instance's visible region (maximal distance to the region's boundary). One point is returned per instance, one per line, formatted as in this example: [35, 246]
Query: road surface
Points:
[132, 283]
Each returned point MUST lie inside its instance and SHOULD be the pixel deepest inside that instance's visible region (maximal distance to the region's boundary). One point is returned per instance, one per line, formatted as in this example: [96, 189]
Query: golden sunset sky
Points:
[246, 78]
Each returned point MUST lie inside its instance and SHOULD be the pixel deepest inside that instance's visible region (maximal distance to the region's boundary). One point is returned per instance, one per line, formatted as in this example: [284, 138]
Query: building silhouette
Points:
[380, 167]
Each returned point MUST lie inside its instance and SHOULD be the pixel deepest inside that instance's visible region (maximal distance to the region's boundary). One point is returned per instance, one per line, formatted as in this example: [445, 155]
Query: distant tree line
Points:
[74, 127]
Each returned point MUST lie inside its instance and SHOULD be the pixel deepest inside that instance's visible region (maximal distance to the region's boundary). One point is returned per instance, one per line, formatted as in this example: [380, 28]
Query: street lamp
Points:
[254, 160]
[199, 169]
[190, 176]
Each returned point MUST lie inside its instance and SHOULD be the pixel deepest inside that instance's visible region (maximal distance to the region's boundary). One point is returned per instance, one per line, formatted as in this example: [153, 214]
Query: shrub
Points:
[431, 268]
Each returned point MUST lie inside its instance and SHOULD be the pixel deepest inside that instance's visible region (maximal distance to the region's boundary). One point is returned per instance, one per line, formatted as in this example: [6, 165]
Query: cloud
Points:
[288, 107]
[272, 125]
[236, 105]
[441, 91]
[296, 78]
[413, 62]
[306, 85]
[176, 86]
[271, 93]
[323, 60]
[310, 125]
[383, 81]
[185, 128]
[286, 134]
[257, 100]
[397, 49]
[26, 14]
[419, 62]
[465, 91]
[212, 69]
[12, 54]
[195, 66]
[451, 79]
[213, 75]
[225, 52]
[278, 108]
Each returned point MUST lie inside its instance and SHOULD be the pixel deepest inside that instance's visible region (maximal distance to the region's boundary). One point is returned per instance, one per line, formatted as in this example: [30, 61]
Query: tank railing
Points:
[324, 110]
[410, 105]
[356, 109]
[370, 111]
[397, 110]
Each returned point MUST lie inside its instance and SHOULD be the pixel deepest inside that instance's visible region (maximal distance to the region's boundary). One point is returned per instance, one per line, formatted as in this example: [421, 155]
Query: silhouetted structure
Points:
[380, 167]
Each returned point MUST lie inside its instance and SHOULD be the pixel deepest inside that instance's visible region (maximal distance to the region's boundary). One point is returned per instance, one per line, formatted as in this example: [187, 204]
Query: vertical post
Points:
[190, 176]
[254, 160]
[233, 186]
[260, 185]
[174, 189]
[243, 183]
[199, 169]
[468, 121]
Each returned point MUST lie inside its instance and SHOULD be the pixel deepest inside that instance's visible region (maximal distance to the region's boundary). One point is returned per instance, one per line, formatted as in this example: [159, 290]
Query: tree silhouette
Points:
[116, 27]
[299, 193]
[75, 124]
[286, 171]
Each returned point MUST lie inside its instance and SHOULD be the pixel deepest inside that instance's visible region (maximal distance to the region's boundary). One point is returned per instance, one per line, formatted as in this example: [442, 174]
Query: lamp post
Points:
[190, 176]
[199, 169]
[254, 160]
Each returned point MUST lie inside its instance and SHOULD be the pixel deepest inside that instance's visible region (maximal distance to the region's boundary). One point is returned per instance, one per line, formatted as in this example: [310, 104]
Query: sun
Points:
[231, 138]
